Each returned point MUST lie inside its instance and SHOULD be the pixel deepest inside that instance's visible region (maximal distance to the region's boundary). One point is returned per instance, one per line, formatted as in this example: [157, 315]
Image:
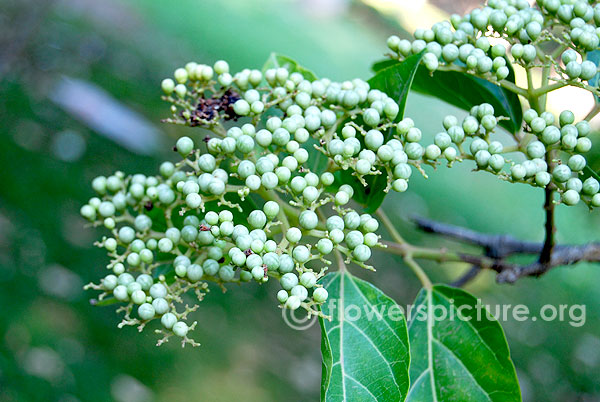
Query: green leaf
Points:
[465, 91]
[396, 81]
[277, 60]
[458, 359]
[365, 356]
[589, 172]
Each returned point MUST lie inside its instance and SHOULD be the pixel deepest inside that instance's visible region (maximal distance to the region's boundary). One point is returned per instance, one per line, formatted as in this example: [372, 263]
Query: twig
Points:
[405, 250]
[496, 246]
[549, 228]
[467, 276]
[499, 247]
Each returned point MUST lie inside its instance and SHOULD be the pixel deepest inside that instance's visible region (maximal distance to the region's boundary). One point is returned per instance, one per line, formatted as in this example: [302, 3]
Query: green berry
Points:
[180, 329]
[308, 280]
[362, 253]
[257, 219]
[146, 311]
[293, 302]
[570, 197]
[373, 139]
[573, 69]
[320, 295]
[168, 86]
[590, 186]
[583, 145]
[301, 254]
[308, 219]
[561, 173]
[161, 306]
[576, 163]
[583, 128]
[168, 320]
[518, 172]
[354, 238]
[282, 296]
[371, 117]
[288, 281]
[184, 146]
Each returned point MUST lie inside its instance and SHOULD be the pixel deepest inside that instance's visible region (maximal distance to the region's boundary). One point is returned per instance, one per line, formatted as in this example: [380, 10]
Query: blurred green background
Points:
[79, 97]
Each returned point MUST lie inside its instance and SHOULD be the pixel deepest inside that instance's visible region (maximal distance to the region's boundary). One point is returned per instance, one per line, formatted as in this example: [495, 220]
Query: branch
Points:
[549, 228]
[498, 247]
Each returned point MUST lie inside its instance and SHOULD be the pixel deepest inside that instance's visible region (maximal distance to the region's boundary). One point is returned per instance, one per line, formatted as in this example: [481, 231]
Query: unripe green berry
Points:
[288, 281]
[414, 151]
[146, 311]
[194, 272]
[561, 173]
[282, 296]
[518, 172]
[373, 139]
[362, 253]
[184, 146]
[588, 70]
[574, 184]
[583, 128]
[570, 197]
[354, 238]
[308, 219]
[293, 302]
[168, 86]
[308, 280]
[320, 295]
[577, 163]
[566, 117]
[590, 186]
[583, 145]
[301, 254]
[573, 69]
[257, 219]
[535, 149]
[161, 306]
[342, 198]
[168, 320]
[180, 329]
[371, 117]
[569, 142]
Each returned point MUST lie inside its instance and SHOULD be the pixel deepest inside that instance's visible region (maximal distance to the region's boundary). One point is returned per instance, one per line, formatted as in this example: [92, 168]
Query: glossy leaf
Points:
[589, 172]
[465, 91]
[396, 81]
[454, 359]
[365, 356]
[277, 60]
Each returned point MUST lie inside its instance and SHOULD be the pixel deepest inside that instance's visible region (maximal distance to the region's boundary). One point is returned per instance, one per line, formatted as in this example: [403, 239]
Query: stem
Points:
[545, 76]
[340, 261]
[418, 271]
[543, 90]
[390, 226]
[550, 229]
[595, 110]
[405, 250]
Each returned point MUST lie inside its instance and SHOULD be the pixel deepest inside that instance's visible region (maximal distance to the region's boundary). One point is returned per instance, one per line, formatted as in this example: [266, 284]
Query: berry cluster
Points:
[485, 43]
[480, 42]
[263, 196]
